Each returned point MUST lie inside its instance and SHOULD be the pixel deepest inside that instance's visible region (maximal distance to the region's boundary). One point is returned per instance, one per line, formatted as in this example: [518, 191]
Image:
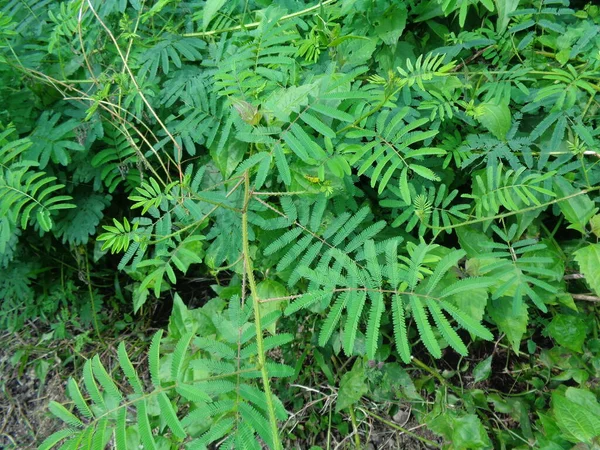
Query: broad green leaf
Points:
[577, 422]
[496, 118]
[569, 331]
[392, 25]
[469, 432]
[269, 289]
[473, 303]
[358, 51]
[505, 8]
[462, 13]
[511, 323]
[353, 386]
[585, 398]
[228, 159]
[595, 225]
[588, 259]
[282, 102]
[551, 430]
[396, 378]
[482, 370]
[211, 8]
[181, 320]
[578, 209]
[462, 431]
[473, 240]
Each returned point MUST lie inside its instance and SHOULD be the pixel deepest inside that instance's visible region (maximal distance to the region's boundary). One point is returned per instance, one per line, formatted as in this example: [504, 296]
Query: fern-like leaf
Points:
[400, 333]
[424, 327]
[424, 70]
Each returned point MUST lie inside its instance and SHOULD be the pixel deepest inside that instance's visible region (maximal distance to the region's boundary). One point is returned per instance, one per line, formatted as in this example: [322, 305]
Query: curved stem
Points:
[257, 318]
[354, 428]
[91, 294]
[256, 24]
[513, 213]
[140, 92]
[401, 429]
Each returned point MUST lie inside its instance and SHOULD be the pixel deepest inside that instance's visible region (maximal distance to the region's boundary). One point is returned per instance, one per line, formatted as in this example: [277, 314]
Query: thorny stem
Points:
[257, 319]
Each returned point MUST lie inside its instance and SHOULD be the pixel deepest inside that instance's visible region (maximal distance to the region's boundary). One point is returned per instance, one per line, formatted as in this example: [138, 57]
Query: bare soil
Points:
[24, 418]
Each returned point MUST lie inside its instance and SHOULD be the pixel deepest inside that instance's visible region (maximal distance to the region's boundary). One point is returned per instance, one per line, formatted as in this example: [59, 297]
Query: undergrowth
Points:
[393, 204]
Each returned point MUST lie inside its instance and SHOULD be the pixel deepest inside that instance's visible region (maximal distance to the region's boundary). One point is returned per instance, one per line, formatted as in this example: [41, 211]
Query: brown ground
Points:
[25, 421]
[24, 417]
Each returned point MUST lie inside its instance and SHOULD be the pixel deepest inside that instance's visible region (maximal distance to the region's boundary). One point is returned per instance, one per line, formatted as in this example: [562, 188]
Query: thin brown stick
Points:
[350, 289]
[473, 57]
[140, 92]
[248, 26]
[573, 276]
[586, 297]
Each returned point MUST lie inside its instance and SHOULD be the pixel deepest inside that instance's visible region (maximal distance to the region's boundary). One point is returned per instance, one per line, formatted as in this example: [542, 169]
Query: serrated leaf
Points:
[403, 184]
[423, 171]
[154, 359]
[390, 27]
[285, 101]
[588, 259]
[168, 413]
[574, 419]
[55, 438]
[64, 414]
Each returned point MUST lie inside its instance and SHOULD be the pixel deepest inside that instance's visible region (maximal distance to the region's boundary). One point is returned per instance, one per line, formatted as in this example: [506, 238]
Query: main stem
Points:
[248, 26]
[91, 293]
[257, 324]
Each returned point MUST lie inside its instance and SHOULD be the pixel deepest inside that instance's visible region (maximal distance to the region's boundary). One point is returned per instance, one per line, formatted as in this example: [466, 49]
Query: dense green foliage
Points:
[373, 186]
